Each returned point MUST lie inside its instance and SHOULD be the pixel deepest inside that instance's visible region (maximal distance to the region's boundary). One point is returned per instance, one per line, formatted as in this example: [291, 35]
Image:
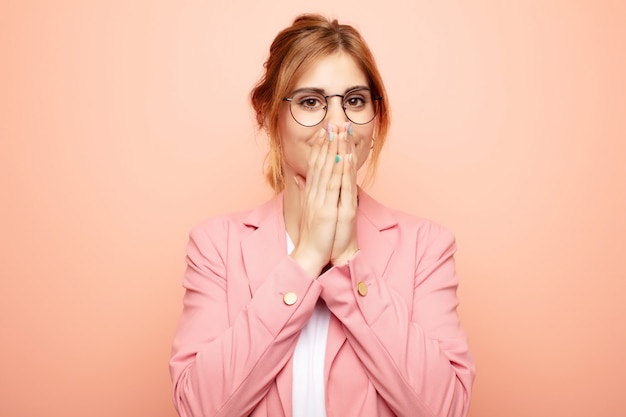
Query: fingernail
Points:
[322, 133]
[337, 159]
[330, 128]
[295, 179]
[331, 135]
[349, 128]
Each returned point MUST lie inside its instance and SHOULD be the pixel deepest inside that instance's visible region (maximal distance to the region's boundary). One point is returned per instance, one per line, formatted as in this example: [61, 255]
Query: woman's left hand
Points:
[345, 244]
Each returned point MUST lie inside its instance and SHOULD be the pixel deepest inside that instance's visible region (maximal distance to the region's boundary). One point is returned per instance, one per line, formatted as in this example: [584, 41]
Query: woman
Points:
[321, 302]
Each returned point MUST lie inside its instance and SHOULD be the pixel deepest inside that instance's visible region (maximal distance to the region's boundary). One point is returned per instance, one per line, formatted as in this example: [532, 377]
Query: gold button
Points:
[290, 298]
[361, 287]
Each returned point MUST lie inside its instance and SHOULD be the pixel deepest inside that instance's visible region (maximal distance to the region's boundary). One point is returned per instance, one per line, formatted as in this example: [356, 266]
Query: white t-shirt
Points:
[308, 390]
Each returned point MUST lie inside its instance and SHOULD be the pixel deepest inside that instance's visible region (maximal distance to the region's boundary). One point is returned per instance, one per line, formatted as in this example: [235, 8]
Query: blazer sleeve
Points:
[416, 356]
[219, 368]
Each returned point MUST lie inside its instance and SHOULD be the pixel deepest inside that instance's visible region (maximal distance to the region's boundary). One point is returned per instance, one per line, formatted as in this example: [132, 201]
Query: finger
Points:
[316, 162]
[342, 143]
[329, 167]
[353, 171]
[334, 181]
[351, 151]
[342, 152]
[354, 165]
[316, 145]
[348, 179]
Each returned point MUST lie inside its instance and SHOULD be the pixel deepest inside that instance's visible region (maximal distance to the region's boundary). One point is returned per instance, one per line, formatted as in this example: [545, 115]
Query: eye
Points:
[310, 102]
[356, 100]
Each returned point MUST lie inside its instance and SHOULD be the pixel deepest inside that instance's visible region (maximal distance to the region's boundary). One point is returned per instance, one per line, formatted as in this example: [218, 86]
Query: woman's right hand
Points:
[319, 202]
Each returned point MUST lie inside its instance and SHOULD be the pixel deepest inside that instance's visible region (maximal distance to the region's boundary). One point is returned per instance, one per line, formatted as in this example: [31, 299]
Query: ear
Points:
[266, 123]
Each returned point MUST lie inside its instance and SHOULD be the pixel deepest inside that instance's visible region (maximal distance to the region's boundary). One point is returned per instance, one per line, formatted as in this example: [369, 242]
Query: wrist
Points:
[345, 257]
[308, 263]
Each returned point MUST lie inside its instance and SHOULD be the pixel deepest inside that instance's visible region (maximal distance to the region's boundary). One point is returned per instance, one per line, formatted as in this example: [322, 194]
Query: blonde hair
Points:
[310, 37]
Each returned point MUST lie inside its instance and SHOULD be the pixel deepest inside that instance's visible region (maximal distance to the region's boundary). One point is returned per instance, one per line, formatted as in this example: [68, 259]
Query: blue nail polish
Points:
[350, 130]
[337, 159]
[331, 135]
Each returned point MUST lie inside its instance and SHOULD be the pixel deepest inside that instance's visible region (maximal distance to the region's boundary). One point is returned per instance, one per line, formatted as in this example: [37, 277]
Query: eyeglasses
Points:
[308, 107]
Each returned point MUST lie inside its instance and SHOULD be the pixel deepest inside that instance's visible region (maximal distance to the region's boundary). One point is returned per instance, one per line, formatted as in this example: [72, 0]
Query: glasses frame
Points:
[375, 101]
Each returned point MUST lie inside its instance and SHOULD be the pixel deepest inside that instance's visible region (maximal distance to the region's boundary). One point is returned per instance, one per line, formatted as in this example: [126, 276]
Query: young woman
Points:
[321, 302]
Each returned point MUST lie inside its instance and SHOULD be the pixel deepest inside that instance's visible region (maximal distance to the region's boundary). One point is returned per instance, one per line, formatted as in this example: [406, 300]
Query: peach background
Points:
[122, 124]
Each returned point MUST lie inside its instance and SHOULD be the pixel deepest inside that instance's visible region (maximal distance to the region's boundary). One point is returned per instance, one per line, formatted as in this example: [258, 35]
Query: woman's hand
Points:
[319, 200]
[327, 228]
[345, 244]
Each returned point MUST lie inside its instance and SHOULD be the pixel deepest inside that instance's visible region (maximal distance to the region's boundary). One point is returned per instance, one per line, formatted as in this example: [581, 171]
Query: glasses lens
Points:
[359, 106]
[308, 108]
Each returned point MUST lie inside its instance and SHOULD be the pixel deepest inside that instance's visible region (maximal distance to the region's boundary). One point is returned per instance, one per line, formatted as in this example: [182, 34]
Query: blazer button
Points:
[361, 287]
[290, 298]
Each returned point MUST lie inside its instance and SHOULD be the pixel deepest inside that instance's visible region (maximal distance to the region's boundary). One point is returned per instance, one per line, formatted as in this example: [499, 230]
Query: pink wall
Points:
[122, 124]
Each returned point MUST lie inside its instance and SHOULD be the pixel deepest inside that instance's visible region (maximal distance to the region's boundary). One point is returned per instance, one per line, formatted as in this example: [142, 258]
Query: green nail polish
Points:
[330, 136]
[337, 158]
[350, 131]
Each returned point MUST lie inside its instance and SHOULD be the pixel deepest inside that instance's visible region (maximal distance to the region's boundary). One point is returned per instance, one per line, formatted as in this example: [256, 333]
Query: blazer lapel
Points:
[264, 247]
[336, 339]
[377, 232]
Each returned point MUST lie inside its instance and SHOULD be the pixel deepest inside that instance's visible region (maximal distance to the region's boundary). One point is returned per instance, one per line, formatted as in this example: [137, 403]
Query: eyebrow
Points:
[323, 92]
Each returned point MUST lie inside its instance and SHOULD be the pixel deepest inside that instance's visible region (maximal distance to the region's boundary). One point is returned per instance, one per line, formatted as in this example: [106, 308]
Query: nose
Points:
[335, 113]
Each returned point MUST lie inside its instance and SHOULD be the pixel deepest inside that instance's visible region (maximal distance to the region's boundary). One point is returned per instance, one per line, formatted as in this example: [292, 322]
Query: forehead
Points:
[332, 73]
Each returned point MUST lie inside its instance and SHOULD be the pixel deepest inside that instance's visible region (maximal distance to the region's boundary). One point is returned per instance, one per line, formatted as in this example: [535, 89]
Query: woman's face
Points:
[334, 74]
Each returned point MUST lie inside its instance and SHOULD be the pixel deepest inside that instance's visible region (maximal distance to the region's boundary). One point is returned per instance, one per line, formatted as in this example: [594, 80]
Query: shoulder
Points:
[218, 225]
[409, 225]
[424, 229]
[219, 228]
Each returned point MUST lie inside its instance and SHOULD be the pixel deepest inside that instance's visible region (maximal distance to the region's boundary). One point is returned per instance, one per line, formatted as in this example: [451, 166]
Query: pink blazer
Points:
[395, 345]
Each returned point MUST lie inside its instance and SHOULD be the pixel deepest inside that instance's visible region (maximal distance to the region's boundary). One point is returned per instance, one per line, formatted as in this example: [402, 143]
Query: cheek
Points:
[364, 143]
[296, 147]
[362, 154]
